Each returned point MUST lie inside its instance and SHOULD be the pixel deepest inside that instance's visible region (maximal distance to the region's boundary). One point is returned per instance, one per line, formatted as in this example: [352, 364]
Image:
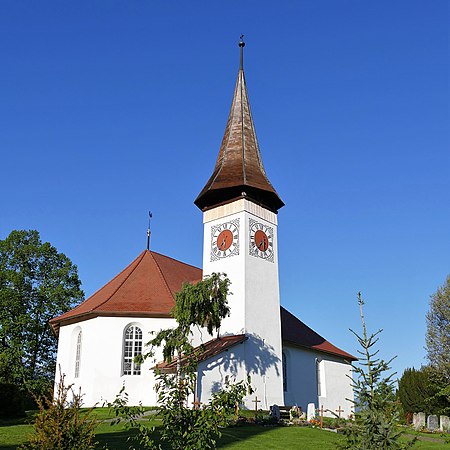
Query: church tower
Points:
[240, 208]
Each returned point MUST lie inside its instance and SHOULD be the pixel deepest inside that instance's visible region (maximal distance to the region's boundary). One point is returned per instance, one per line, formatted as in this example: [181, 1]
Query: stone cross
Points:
[339, 411]
[432, 423]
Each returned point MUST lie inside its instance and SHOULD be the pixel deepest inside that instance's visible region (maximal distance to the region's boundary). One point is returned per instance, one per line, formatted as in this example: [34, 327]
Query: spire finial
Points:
[148, 229]
[241, 46]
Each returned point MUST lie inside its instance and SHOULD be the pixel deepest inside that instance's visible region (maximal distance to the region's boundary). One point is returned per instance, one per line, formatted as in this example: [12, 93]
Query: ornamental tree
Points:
[36, 283]
[376, 411]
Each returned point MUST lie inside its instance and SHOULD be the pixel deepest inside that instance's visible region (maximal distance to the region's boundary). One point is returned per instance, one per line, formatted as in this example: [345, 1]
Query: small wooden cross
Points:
[196, 403]
[339, 411]
[321, 410]
[256, 401]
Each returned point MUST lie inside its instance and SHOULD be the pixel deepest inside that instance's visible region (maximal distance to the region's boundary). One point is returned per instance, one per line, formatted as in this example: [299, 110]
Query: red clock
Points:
[224, 240]
[261, 240]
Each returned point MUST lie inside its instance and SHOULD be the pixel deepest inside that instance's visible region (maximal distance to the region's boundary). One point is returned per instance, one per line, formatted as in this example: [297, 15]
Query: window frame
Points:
[131, 347]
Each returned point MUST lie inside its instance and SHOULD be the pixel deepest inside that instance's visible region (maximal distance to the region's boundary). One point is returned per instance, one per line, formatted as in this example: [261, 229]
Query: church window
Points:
[78, 355]
[284, 362]
[132, 348]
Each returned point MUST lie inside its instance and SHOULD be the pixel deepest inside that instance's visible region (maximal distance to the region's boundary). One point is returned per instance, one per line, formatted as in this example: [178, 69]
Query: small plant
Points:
[295, 412]
[60, 425]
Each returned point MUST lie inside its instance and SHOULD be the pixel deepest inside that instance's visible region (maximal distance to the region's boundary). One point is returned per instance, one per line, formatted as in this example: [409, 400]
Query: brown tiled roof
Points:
[239, 171]
[294, 331]
[205, 351]
[146, 288]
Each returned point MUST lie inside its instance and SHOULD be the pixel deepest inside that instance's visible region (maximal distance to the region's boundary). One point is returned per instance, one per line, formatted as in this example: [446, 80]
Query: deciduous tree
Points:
[437, 338]
[36, 283]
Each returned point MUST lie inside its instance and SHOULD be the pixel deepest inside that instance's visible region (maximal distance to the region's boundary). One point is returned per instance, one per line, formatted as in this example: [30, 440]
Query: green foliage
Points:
[60, 425]
[424, 390]
[132, 416]
[376, 411]
[188, 426]
[36, 284]
[204, 303]
[11, 401]
[437, 337]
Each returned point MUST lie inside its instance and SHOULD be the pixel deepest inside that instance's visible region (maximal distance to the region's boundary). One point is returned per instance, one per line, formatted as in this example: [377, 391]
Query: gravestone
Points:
[419, 420]
[311, 411]
[275, 412]
[445, 423]
[432, 423]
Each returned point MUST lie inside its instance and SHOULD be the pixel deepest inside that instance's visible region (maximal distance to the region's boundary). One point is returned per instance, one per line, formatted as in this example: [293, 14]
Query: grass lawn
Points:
[13, 433]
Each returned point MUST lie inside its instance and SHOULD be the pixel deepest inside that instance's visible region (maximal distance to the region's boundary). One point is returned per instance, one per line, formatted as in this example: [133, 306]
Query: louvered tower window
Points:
[78, 356]
[132, 347]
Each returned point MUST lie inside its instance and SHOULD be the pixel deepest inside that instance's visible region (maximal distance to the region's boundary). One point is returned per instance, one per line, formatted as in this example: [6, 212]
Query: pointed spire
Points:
[239, 171]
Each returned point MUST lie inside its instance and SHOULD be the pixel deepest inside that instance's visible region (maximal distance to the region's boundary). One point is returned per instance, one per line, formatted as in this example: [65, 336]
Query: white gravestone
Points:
[311, 411]
[432, 423]
[419, 421]
[445, 423]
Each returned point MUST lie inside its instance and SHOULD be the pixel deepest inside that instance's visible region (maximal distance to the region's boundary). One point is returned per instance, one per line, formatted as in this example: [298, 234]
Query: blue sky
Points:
[111, 109]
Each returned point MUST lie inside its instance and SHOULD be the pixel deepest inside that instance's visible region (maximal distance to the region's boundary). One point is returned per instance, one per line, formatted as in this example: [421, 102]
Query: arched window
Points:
[132, 347]
[285, 378]
[78, 355]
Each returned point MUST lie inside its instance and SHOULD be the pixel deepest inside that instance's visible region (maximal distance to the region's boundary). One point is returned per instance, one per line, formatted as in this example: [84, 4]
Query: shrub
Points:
[60, 425]
[11, 401]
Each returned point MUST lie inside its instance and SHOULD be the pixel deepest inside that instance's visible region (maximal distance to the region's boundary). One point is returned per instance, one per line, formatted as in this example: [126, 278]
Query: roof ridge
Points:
[161, 275]
[241, 78]
[177, 260]
[140, 257]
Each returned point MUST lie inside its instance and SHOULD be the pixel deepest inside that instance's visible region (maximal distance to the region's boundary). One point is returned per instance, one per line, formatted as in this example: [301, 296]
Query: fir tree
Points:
[376, 411]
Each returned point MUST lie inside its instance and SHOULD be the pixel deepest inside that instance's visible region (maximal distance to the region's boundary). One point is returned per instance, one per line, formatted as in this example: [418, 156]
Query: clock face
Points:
[225, 240]
[261, 240]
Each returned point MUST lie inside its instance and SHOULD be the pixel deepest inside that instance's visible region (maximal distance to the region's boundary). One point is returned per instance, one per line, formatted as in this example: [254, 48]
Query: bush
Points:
[424, 390]
[11, 401]
[60, 425]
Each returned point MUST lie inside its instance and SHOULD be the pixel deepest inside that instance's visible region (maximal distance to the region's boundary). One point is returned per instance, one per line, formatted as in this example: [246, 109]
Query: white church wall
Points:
[306, 369]
[235, 364]
[101, 360]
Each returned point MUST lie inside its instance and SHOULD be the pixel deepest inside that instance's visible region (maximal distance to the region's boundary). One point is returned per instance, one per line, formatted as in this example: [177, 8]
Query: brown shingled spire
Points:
[239, 171]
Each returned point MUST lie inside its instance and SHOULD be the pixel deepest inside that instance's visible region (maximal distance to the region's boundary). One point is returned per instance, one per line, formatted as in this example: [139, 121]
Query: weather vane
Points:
[150, 215]
[241, 46]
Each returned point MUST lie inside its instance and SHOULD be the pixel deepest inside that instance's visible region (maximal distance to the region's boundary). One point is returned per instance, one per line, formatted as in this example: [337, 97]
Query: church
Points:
[288, 362]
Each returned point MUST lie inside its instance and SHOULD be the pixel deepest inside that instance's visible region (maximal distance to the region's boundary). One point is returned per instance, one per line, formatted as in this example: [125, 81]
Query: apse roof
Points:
[239, 170]
[145, 288]
[294, 331]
